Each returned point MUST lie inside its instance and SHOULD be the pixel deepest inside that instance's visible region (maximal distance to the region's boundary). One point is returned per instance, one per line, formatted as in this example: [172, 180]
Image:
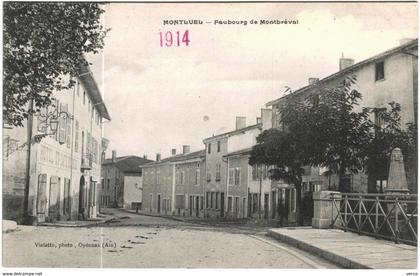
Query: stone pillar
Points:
[324, 210]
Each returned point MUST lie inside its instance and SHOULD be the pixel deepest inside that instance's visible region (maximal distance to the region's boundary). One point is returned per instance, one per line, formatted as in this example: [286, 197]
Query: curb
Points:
[75, 226]
[329, 256]
[154, 215]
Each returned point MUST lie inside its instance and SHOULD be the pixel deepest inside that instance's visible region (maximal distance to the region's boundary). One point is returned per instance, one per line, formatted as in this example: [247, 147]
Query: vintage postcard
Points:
[276, 135]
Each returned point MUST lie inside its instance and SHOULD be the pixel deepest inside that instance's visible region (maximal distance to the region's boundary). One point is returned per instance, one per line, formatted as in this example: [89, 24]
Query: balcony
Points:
[86, 161]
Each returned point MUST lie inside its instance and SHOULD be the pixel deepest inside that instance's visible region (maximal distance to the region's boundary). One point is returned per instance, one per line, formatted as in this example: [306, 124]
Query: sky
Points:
[161, 98]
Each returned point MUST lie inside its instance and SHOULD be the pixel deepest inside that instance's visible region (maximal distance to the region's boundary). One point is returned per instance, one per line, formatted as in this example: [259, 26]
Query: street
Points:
[156, 243]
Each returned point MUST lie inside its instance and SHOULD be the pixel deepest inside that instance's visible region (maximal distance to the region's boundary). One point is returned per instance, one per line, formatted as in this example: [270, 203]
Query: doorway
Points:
[54, 200]
[197, 205]
[222, 205]
[158, 203]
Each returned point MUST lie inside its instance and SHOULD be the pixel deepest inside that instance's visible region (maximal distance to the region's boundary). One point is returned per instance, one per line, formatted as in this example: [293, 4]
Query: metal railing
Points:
[392, 217]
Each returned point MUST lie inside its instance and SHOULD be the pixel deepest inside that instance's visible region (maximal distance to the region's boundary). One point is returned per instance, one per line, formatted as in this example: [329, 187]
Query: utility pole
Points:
[259, 198]
[26, 215]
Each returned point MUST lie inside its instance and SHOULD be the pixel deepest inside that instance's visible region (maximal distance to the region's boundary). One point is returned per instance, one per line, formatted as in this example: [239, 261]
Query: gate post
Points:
[324, 209]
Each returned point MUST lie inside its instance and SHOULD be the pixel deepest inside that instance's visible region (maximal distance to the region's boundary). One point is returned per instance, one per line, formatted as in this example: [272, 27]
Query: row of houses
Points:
[218, 182]
[56, 177]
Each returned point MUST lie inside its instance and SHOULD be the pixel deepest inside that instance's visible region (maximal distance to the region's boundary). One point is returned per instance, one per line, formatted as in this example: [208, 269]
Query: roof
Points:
[400, 49]
[130, 163]
[92, 89]
[178, 158]
[231, 133]
[239, 152]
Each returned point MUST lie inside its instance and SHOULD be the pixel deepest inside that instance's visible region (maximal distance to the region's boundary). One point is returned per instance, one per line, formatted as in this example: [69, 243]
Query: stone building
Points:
[174, 185]
[383, 78]
[56, 177]
[121, 181]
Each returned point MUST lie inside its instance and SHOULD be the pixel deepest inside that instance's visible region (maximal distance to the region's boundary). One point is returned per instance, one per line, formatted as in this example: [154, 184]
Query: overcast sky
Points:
[164, 97]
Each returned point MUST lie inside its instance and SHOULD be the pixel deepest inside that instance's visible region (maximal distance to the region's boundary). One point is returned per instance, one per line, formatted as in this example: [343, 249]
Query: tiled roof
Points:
[130, 163]
[405, 47]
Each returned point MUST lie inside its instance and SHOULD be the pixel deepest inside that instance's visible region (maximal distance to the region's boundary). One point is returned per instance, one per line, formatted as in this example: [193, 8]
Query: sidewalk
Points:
[348, 249]
[101, 218]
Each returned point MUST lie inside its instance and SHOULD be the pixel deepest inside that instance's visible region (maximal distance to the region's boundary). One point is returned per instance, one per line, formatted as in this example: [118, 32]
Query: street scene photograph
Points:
[210, 135]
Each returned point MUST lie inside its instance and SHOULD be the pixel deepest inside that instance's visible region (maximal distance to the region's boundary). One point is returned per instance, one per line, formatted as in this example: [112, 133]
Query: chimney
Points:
[240, 122]
[114, 156]
[173, 152]
[405, 40]
[258, 120]
[345, 62]
[185, 149]
[157, 156]
[266, 118]
[312, 80]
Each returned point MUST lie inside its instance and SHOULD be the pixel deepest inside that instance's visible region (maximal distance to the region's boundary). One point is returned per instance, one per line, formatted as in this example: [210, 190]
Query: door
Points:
[243, 207]
[222, 205]
[158, 203]
[273, 204]
[191, 205]
[197, 205]
[266, 201]
[66, 199]
[41, 201]
[54, 200]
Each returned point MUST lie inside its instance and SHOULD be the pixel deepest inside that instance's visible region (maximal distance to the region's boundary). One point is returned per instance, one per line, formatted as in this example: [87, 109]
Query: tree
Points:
[337, 130]
[389, 134]
[280, 150]
[44, 47]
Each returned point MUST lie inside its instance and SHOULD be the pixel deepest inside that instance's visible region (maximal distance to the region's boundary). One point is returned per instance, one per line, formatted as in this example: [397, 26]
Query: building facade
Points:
[174, 185]
[390, 76]
[56, 177]
[121, 182]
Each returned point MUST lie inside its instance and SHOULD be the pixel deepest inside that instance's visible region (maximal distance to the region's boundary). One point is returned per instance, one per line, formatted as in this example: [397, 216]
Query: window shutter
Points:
[63, 127]
[231, 176]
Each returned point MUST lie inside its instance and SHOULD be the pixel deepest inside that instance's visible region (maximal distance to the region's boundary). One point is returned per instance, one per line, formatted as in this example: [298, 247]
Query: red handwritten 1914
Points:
[174, 38]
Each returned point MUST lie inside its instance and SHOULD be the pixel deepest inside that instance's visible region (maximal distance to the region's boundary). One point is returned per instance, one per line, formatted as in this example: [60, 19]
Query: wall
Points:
[243, 140]
[212, 160]
[132, 190]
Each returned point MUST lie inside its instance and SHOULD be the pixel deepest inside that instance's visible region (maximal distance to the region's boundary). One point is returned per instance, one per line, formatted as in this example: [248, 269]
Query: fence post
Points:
[360, 216]
[324, 209]
[376, 215]
[345, 213]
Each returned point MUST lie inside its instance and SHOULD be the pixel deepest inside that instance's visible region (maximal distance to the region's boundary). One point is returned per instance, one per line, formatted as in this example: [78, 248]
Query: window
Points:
[218, 146]
[211, 200]
[207, 199]
[230, 204]
[379, 71]
[237, 176]
[181, 180]
[209, 148]
[231, 176]
[84, 97]
[197, 176]
[208, 177]
[218, 167]
[216, 204]
[108, 184]
[103, 184]
[379, 113]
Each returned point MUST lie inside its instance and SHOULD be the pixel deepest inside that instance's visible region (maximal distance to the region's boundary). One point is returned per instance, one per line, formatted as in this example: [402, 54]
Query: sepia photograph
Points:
[209, 135]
